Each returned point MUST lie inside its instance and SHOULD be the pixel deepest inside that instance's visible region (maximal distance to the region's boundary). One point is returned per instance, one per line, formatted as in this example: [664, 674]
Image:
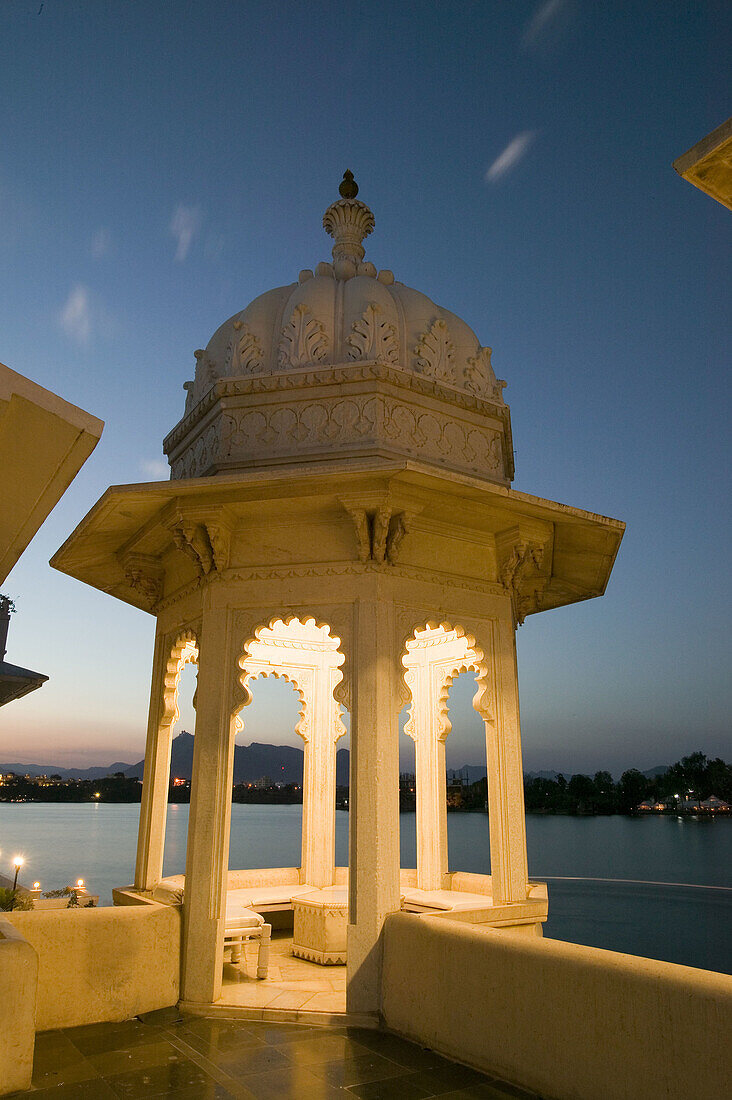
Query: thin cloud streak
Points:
[514, 152]
[100, 244]
[546, 26]
[184, 225]
[75, 318]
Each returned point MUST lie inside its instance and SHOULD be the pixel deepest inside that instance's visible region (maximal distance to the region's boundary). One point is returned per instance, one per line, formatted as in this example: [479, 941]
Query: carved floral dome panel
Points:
[323, 320]
[342, 326]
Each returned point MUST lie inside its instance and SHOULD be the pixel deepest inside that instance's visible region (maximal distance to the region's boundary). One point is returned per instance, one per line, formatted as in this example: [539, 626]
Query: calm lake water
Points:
[677, 905]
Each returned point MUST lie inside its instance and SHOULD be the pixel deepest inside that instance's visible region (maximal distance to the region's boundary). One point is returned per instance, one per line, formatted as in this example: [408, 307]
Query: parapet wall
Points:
[567, 1021]
[18, 978]
[101, 965]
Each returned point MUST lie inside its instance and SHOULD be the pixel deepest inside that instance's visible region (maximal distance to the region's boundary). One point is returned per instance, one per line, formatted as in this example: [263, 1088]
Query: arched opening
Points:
[436, 658]
[286, 777]
[183, 730]
[466, 780]
[266, 811]
[173, 668]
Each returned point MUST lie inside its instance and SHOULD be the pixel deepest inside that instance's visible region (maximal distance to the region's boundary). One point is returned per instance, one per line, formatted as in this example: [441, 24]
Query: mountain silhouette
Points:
[282, 763]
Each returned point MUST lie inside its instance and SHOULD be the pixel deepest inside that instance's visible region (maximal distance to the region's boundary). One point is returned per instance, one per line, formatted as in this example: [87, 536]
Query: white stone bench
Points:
[241, 924]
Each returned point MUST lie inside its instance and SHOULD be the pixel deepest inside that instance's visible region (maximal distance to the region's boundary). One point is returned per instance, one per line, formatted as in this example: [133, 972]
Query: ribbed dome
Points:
[344, 363]
[345, 312]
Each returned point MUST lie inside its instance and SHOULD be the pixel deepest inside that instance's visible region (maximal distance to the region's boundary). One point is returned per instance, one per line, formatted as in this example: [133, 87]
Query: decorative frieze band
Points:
[342, 422]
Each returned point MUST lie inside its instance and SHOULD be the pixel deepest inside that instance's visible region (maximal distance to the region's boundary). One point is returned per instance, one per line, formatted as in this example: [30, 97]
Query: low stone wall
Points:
[18, 979]
[567, 1021]
[99, 965]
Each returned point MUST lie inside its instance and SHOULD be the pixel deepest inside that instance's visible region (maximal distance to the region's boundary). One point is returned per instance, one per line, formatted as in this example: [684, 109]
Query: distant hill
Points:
[282, 763]
[65, 773]
[471, 773]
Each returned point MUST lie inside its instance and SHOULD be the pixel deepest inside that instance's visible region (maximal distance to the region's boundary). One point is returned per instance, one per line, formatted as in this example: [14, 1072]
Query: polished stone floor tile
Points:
[189, 1058]
[448, 1077]
[248, 1060]
[406, 1087]
[165, 1017]
[323, 1048]
[206, 1036]
[398, 1050]
[490, 1090]
[293, 1082]
[142, 1056]
[57, 1061]
[358, 1070]
[277, 1034]
[160, 1080]
[95, 1089]
[99, 1038]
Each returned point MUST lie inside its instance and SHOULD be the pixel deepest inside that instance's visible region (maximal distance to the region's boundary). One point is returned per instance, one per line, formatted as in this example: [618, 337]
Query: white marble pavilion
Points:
[339, 514]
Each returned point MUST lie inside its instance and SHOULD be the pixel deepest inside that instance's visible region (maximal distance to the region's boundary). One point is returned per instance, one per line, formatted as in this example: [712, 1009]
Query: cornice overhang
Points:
[541, 553]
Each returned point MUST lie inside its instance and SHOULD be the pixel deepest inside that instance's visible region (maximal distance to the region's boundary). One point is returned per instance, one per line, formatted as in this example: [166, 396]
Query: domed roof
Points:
[345, 312]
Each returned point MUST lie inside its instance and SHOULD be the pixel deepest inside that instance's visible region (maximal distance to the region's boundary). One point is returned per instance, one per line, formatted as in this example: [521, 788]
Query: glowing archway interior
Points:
[305, 654]
[434, 656]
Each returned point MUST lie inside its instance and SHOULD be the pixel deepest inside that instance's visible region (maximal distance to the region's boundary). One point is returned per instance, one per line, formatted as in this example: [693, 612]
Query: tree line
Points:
[694, 775]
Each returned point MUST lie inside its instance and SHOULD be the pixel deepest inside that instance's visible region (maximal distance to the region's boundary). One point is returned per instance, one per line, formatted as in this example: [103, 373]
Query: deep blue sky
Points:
[163, 163]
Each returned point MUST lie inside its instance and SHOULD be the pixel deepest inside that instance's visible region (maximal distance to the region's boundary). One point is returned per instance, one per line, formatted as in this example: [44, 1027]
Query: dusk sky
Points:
[163, 163]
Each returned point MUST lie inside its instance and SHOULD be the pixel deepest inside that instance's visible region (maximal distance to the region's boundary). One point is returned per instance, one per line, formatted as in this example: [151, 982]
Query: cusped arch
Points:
[259, 658]
[184, 651]
[472, 659]
[303, 725]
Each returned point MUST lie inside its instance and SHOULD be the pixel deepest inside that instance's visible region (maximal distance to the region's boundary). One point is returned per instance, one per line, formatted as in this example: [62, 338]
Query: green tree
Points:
[632, 789]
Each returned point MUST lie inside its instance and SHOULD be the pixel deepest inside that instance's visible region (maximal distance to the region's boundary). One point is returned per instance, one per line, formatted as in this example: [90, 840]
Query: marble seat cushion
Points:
[275, 895]
[445, 900]
[241, 897]
[169, 891]
[240, 920]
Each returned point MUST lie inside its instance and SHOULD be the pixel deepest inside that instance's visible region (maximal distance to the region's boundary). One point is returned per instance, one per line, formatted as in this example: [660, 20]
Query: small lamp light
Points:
[97, 794]
[80, 883]
[18, 862]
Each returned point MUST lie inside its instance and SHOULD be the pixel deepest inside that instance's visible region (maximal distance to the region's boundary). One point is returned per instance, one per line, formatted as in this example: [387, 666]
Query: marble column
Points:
[156, 778]
[374, 799]
[210, 814]
[424, 727]
[319, 780]
[509, 869]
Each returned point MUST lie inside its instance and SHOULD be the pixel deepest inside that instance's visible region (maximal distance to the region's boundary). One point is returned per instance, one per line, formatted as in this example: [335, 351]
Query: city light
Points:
[97, 794]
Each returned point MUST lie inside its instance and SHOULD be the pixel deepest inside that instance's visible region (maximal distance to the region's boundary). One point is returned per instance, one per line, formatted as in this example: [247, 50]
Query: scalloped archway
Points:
[433, 657]
[304, 653]
[170, 660]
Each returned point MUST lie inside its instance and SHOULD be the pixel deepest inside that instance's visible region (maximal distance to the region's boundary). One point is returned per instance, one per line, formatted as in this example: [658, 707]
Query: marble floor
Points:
[189, 1058]
[293, 985]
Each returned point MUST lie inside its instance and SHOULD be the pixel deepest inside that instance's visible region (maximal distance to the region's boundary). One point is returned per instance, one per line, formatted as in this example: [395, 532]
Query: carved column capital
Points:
[204, 537]
[523, 555]
[380, 525]
[145, 574]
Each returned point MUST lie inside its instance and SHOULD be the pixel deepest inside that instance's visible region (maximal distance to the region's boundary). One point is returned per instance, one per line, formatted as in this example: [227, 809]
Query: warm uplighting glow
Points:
[80, 882]
[18, 861]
